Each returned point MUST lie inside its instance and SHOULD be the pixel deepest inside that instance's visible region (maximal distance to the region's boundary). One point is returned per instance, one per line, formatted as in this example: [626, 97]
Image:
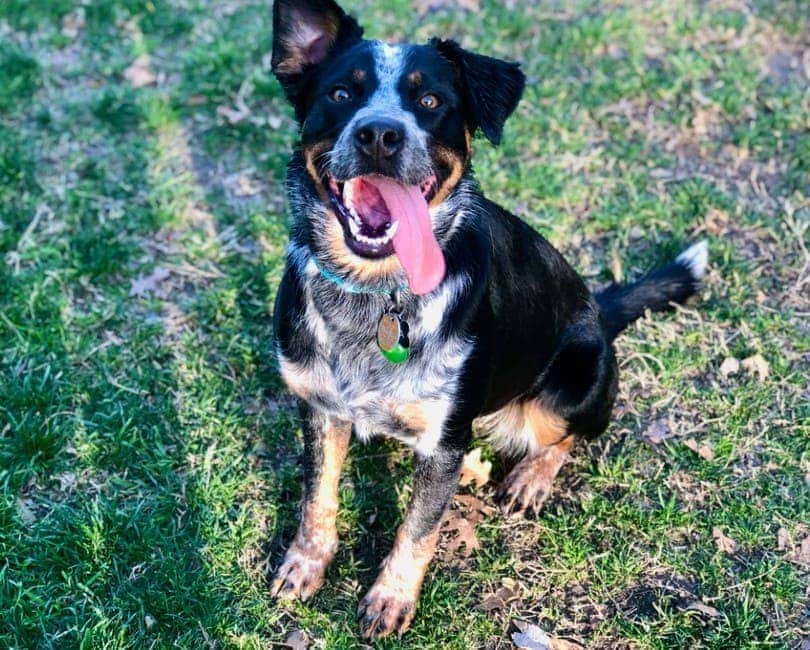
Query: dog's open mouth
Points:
[382, 217]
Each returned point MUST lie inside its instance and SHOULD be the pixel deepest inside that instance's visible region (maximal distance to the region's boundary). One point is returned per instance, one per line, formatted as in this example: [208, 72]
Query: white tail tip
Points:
[695, 258]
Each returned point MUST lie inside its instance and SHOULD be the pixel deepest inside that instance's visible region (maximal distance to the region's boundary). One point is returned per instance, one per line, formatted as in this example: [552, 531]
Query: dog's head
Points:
[385, 136]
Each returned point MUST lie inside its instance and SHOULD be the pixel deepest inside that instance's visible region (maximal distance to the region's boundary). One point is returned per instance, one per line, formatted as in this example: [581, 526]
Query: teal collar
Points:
[355, 288]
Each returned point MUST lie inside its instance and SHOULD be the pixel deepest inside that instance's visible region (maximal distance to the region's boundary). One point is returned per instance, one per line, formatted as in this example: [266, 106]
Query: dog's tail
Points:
[621, 304]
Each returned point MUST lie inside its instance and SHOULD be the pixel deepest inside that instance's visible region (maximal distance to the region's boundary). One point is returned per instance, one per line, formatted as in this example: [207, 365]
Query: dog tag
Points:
[392, 337]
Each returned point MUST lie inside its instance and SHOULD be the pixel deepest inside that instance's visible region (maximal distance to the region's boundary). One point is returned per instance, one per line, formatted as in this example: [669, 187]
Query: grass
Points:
[149, 468]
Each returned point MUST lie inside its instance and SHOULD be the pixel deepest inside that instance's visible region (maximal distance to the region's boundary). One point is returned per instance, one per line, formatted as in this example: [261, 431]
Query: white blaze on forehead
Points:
[386, 101]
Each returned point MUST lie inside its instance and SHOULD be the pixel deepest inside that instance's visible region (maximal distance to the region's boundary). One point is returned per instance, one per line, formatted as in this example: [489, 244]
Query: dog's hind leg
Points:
[574, 399]
[544, 437]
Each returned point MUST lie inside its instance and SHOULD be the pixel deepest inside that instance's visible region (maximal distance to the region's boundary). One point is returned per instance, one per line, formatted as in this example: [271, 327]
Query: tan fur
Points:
[311, 154]
[358, 75]
[305, 563]
[414, 79]
[359, 268]
[390, 604]
[522, 427]
[457, 164]
[411, 416]
[308, 28]
[529, 484]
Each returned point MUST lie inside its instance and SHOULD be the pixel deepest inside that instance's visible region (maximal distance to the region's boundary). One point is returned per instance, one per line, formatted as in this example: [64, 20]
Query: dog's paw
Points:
[526, 488]
[301, 573]
[385, 610]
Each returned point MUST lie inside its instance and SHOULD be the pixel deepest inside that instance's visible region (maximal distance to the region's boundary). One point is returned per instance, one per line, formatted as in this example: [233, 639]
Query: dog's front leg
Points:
[390, 604]
[326, 442]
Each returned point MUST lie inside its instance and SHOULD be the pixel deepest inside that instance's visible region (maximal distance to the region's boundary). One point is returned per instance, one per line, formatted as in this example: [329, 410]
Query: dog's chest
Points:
[348, 377]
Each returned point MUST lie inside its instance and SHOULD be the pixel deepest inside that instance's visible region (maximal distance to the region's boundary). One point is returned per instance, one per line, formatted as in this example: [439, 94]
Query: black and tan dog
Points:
[412, 306]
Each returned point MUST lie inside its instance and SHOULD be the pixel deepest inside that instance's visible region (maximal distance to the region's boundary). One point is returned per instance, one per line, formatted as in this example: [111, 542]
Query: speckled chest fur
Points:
[347, 377]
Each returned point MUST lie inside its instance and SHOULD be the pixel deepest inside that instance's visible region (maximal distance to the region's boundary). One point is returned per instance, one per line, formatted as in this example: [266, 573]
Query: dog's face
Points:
[385, 134]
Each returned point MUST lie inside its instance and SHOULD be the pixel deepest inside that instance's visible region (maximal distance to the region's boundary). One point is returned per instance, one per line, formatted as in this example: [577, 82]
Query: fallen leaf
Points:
[196, 100]
[139, 73]
[703, 608]
[425, 6]
[274, 122]
[146, 284]
[476, 507]
[704, 451]
[73, 23]
[149, 621]
[657, 431]
[716, 221]
[297, 640]
[500, 598]
[802, 554]
[235, 115]
[531, 637]
[757, 365]
[25, 510]
[67, 481]
[474, 469]
[730, 366]
[782, 539]
[724, 543]
[465, 540]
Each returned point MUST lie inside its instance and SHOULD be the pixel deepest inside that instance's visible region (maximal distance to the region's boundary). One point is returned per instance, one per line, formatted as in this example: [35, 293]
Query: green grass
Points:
[149, 472]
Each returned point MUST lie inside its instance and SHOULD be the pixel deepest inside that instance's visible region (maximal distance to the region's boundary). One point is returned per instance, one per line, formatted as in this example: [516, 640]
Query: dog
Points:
[414, 307]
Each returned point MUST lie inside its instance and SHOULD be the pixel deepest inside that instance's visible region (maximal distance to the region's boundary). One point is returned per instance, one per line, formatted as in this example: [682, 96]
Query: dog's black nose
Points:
[379, 138]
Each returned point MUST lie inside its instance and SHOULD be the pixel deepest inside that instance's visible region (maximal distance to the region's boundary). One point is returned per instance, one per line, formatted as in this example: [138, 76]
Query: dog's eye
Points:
[339, 95]
[430, 101]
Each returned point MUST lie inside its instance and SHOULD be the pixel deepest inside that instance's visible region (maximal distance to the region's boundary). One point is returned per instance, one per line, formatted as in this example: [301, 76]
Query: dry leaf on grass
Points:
[425, 6]
[658, 431]
[724, 543]
[476, 507]
[758, 366]
[782, 539]
[235, 115]
[802, 554]
[730, 366]
[474, 469]
[73, 23]
[139, 73]
[703, 608]
[704, 451]
[146, 284]
[149, 622]
[297, 640]
[25, 510]
[531, 637]
[508, 592]
[465, 540]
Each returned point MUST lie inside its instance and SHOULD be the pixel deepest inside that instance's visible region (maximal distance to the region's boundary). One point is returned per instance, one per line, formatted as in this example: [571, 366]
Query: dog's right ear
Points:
[305, 32]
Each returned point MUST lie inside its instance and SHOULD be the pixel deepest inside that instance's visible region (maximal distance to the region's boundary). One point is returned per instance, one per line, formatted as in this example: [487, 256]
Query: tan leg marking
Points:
[390, 604]
[548, 427]
[302, 572]
[528, 485]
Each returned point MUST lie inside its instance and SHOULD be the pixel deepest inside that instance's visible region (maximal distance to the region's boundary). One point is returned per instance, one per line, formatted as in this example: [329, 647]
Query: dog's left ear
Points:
[492, 87]
[305, 32]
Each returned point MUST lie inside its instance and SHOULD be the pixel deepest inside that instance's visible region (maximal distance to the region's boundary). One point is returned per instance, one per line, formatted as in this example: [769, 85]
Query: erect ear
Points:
[492, 87]
[305, 32]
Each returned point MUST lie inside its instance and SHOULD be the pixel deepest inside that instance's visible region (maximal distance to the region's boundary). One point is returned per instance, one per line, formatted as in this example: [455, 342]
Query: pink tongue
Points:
[414, 242]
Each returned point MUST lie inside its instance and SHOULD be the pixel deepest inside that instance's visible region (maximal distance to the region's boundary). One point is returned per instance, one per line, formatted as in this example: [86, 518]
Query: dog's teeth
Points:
[354, 227]
[392, 229]
[354, 214]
